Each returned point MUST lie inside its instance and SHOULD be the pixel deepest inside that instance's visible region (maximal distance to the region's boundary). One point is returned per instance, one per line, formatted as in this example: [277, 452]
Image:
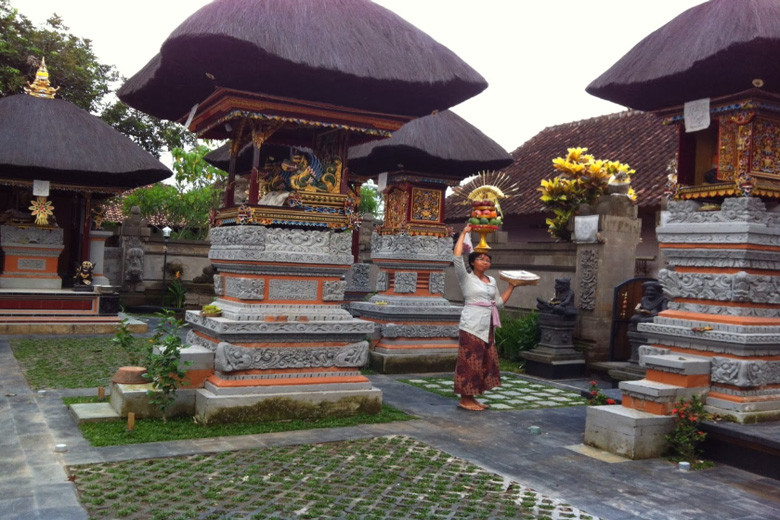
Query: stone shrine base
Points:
[627, 432]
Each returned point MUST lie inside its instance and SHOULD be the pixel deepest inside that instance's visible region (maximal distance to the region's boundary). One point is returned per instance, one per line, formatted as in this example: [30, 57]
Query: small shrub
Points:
[686, 436]
[136, 352]
[163, 367]
[596, 397]
[517, 334]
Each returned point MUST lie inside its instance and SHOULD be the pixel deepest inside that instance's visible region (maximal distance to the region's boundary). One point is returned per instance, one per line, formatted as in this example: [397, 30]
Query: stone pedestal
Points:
[284, 347]
[416, 327]
[31, 255]
[97, 246]
[555, 357]
[720, 337]
[603, 262]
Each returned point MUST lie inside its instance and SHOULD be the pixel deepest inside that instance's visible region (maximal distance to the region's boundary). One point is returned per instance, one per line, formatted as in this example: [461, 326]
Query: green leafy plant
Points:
[596, 397]
[164, 368]
[517, 334]
[211, 309]
[686, 437]
[136, 351]
[177, 291]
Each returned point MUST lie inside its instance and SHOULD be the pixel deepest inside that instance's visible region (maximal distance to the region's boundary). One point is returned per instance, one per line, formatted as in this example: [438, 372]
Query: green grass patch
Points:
[63, 362]
[113, 433]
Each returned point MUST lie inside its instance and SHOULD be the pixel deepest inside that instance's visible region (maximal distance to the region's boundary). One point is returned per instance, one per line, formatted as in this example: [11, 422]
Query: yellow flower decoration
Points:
[41, 210]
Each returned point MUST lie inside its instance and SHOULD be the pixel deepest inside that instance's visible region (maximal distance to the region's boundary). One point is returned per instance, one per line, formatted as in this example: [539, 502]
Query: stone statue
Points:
[562, 303]
[653, 301]
[134, 265]
[83, 276]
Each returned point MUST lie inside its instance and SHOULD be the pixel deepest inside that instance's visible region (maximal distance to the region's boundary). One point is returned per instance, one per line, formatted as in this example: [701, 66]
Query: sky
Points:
[537, 55]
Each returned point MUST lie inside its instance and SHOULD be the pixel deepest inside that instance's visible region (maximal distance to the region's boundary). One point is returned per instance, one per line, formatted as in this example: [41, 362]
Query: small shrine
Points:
[283, 346]
[54, 176]
[417, 327]
[718, 336]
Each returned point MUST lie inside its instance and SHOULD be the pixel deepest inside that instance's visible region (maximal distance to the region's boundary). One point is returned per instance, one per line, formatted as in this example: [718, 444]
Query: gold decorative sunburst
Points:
[41, 209]
[486, 185]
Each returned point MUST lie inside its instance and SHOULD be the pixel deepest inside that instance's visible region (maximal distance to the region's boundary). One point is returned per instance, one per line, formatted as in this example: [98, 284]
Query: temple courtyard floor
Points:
[522, 458]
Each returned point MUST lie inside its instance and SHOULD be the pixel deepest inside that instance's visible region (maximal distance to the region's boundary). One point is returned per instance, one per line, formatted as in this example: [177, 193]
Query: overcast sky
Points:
[537, 56]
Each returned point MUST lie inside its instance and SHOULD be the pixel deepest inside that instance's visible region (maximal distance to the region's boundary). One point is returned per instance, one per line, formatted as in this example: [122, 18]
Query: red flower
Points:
[610, 401]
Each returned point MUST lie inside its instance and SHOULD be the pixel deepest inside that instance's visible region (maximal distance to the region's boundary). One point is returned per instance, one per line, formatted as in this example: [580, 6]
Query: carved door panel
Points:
[627, 296]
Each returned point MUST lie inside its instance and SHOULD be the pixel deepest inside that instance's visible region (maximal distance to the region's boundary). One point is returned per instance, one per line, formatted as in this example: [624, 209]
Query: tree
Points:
[81, 78]
[72, 64]
[186, 205]
[150, 133]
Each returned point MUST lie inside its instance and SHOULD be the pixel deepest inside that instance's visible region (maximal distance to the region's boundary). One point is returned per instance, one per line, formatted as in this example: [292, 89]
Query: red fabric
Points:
[476, 369]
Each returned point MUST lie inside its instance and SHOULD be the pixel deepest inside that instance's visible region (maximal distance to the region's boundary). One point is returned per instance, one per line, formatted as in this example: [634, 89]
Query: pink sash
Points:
[493, 309]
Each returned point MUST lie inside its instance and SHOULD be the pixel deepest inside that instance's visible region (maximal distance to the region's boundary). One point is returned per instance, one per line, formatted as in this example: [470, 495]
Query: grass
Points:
[66, 362]
[410, 480]
[113, 433]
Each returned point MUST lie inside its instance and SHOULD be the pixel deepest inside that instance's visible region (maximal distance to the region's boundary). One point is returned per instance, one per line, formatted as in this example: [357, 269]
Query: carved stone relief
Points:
[405, 282]
[244, 288]
[381, 281]
[305, 290]
[589, 272]
[333, 290]
[230, 358]
[436, 283]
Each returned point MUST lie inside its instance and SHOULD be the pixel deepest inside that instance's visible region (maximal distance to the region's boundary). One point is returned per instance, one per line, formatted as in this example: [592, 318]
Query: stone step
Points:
[656, 397]
[93, 412]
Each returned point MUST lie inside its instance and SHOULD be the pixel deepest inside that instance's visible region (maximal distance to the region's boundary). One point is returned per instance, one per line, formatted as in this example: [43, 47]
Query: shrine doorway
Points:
[627, 295]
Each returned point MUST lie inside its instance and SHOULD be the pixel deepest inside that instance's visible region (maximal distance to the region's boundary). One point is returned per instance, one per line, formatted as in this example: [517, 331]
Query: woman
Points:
[476, 369]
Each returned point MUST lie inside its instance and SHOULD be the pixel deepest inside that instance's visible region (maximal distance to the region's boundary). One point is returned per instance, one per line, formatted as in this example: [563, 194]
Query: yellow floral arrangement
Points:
[582, 180]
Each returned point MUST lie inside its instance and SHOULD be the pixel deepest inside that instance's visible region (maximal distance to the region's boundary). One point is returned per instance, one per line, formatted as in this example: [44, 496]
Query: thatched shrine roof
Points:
[54, 140]
[712, 50]
[350, 53]
[442, 144]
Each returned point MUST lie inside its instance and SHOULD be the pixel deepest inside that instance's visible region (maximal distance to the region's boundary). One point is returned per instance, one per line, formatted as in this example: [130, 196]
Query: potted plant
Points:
[211, 311]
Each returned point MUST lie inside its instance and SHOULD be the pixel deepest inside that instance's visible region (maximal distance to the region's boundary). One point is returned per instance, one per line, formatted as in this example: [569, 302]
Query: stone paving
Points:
[514, 393]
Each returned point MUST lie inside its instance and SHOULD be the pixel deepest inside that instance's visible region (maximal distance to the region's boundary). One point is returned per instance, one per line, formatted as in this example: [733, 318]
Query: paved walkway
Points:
[34, 486]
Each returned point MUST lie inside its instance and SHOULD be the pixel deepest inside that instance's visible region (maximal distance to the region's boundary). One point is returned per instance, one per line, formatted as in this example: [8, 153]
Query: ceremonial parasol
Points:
[715, 49]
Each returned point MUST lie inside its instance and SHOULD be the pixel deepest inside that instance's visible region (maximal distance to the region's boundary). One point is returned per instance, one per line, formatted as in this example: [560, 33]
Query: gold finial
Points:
[40, 87]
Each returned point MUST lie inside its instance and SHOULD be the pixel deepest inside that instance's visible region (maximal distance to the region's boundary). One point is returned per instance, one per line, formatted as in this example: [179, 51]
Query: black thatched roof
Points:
[220, 157]
[351, 53]
[54, 140]
[442, 144]
[714, 49]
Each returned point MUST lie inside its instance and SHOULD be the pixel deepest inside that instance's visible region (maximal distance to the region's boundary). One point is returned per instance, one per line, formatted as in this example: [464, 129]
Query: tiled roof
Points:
[637, 138]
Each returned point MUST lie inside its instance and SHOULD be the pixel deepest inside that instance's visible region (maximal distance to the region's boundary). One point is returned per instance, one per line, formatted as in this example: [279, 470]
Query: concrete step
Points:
[93, 412]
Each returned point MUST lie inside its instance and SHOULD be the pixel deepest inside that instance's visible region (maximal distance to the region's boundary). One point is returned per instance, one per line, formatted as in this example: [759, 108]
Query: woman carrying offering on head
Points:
[476, 369]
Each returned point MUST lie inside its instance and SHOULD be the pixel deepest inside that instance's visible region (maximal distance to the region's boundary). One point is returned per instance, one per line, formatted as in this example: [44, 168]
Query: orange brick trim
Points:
[647, 406]
[692, 381]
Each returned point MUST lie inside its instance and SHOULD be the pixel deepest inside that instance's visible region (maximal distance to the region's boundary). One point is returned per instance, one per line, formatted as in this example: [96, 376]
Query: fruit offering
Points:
[484, 213]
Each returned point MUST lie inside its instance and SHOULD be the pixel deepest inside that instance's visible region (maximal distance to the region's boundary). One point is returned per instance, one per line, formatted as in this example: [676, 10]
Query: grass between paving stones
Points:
[383, 478]
[63, 362]
[113, 433]
[514, 393]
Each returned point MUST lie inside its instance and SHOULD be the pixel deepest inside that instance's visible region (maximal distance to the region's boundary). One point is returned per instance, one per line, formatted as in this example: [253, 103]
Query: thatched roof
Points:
[54, 140]
[443, 144]
[220, 158]
[636, 138]
[351, 53]
[714, 49]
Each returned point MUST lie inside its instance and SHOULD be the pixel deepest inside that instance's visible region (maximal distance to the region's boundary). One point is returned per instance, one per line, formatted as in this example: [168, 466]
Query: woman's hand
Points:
[466, 229]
